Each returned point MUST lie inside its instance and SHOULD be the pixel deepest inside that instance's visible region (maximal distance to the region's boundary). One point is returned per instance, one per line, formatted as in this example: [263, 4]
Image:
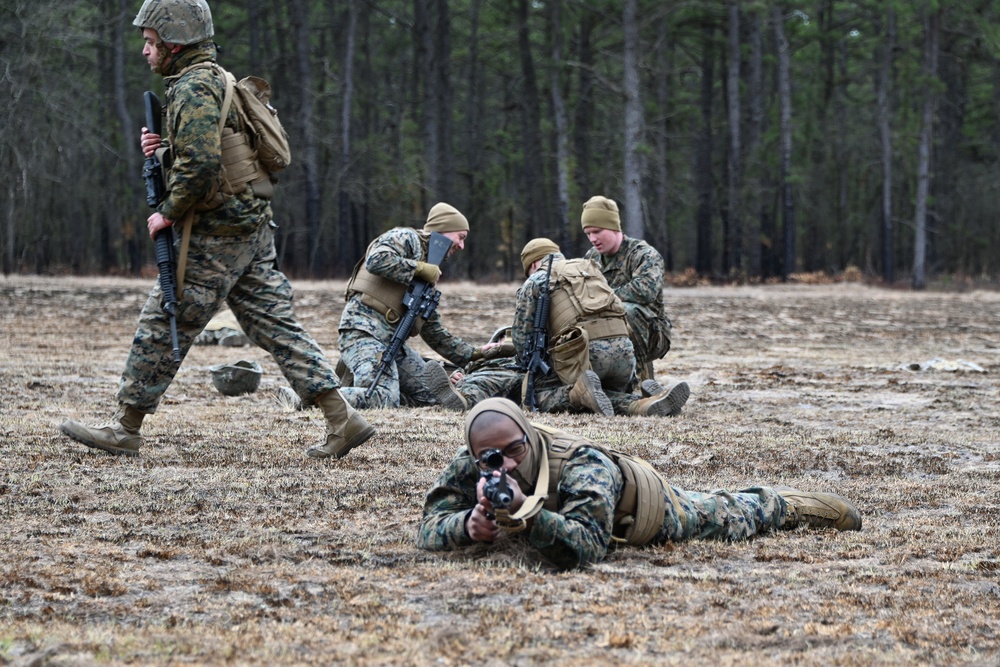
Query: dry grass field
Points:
[223, 543]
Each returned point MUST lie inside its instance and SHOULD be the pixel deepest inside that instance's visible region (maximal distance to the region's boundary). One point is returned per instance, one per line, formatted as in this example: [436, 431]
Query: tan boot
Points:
[119, 436]
[818, 510]
[587, 394]
[345, 427]
[676, 394]
[437, 380]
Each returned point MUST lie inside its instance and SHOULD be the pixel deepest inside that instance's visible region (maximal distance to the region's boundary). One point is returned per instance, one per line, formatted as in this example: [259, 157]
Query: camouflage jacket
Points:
[524, 309]
[579, 533]
[194, 103]
[394, 256]
[636, 274]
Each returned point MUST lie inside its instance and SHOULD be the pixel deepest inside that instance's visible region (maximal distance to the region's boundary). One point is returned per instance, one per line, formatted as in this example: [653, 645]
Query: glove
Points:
[427, 272]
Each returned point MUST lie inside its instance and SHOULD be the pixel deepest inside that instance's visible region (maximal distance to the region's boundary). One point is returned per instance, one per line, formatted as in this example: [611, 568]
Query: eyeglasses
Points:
[492, 459]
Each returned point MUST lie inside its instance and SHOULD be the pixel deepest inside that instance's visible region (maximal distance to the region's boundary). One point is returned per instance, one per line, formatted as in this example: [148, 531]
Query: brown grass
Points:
[222, 543]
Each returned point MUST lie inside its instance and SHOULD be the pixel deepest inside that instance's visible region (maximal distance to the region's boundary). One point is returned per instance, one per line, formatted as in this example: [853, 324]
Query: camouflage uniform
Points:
[590, 486]
[231, 257]
[613, 359]
[365, 333]
[636, 274]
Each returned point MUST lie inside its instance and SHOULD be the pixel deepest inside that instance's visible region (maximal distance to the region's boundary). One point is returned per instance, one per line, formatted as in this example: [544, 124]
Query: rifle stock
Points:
[152, 174]
[538, 340]
[420, 300]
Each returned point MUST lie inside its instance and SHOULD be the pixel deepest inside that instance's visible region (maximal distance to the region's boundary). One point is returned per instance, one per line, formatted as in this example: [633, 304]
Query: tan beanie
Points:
[534, 250]
[445, 218]
[601, 212]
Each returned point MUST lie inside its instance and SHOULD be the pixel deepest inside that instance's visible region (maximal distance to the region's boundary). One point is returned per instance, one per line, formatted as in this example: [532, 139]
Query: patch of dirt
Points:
[224, 543]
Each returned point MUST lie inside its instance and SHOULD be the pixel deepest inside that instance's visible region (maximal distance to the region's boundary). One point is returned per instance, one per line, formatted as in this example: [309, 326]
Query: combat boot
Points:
[119, 436]
[345, 427]
[677, 394]
[818, 510]
[587, 394]
[437, 380]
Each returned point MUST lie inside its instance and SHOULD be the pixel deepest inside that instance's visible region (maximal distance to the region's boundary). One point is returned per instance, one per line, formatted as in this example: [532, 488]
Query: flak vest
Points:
[642, 506]
[239, 163]
[382, 295]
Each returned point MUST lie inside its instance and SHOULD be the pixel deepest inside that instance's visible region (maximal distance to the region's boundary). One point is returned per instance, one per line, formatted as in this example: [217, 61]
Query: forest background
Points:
[747, 141]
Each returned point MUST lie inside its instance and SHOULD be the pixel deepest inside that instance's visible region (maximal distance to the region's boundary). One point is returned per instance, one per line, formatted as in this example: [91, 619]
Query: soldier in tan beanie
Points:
[374, 307]
[635, 270]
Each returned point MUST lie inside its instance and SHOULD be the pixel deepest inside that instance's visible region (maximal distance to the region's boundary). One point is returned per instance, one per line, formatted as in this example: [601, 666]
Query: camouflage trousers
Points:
[650, 335]
[241, 271]
[613, 359]
[720, 515]
[402, 384]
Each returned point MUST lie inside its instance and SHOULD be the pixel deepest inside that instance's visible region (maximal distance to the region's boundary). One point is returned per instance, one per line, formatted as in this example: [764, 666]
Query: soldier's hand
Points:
[480, 525]
[150, 142]
[427, 272]
[156, 222]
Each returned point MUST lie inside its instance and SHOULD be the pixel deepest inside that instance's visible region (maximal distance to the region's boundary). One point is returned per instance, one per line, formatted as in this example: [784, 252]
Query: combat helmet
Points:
[177, 21]
[242, 377]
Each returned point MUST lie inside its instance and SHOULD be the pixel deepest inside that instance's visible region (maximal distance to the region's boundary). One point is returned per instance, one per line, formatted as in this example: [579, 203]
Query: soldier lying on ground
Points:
[568, 496]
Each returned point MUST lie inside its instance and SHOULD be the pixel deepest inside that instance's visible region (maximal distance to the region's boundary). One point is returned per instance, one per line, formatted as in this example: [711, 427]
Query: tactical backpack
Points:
[584, 308]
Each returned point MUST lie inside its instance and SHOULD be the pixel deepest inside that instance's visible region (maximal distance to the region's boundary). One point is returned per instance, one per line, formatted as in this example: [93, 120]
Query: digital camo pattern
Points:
[194, 104]
[589, 489]
[636, 274]
[613, 359]
[240, 271]
[401, 384]
[393, 256]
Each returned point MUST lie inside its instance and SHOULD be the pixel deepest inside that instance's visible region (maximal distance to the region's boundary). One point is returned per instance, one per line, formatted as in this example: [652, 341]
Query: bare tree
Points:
[932, 27]
[634, 225]
[735, 184]
[559, 118]
[661, 227]
[755, 130]
[532, 172]
[785, 131]
[886, 46]
[703, 155]
[346, 231]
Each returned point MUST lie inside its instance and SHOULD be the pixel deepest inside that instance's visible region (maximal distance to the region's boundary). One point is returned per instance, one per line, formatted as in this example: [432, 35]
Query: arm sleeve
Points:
[645, 268]
[448, 504]
[580, 532]
[524, 316]
[394, 255]
[445, 343]
[196, 150]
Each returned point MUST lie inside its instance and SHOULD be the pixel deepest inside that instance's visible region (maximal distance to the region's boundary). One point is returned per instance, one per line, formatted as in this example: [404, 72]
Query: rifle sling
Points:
[188, 223]
[533, 503]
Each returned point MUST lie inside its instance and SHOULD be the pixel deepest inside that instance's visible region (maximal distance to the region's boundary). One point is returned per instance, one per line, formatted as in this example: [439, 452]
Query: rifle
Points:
[152, 173]
[419, 300]
[497, 490]
[538, 340]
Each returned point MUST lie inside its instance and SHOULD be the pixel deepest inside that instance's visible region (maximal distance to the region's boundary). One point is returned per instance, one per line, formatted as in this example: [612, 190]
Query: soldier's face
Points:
[155, 51]
[457, 241]
[506, 436]
[607, 241]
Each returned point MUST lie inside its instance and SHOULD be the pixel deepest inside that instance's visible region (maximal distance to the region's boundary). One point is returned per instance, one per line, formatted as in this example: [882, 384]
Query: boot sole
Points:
[596, 392]
[437, 381]
[117, 451]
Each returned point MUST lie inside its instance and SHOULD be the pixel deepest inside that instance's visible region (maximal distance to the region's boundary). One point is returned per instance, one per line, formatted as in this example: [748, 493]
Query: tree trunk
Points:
[583, 120]
[887, 44]
[443, 105]
[703, 168]
[559, 118]
[785, 132]
[531, 130]
[345, 241]
[735, 241]
[633, 219]
[932, 20]
[755, 130]
[660, 224]
[302, 29]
